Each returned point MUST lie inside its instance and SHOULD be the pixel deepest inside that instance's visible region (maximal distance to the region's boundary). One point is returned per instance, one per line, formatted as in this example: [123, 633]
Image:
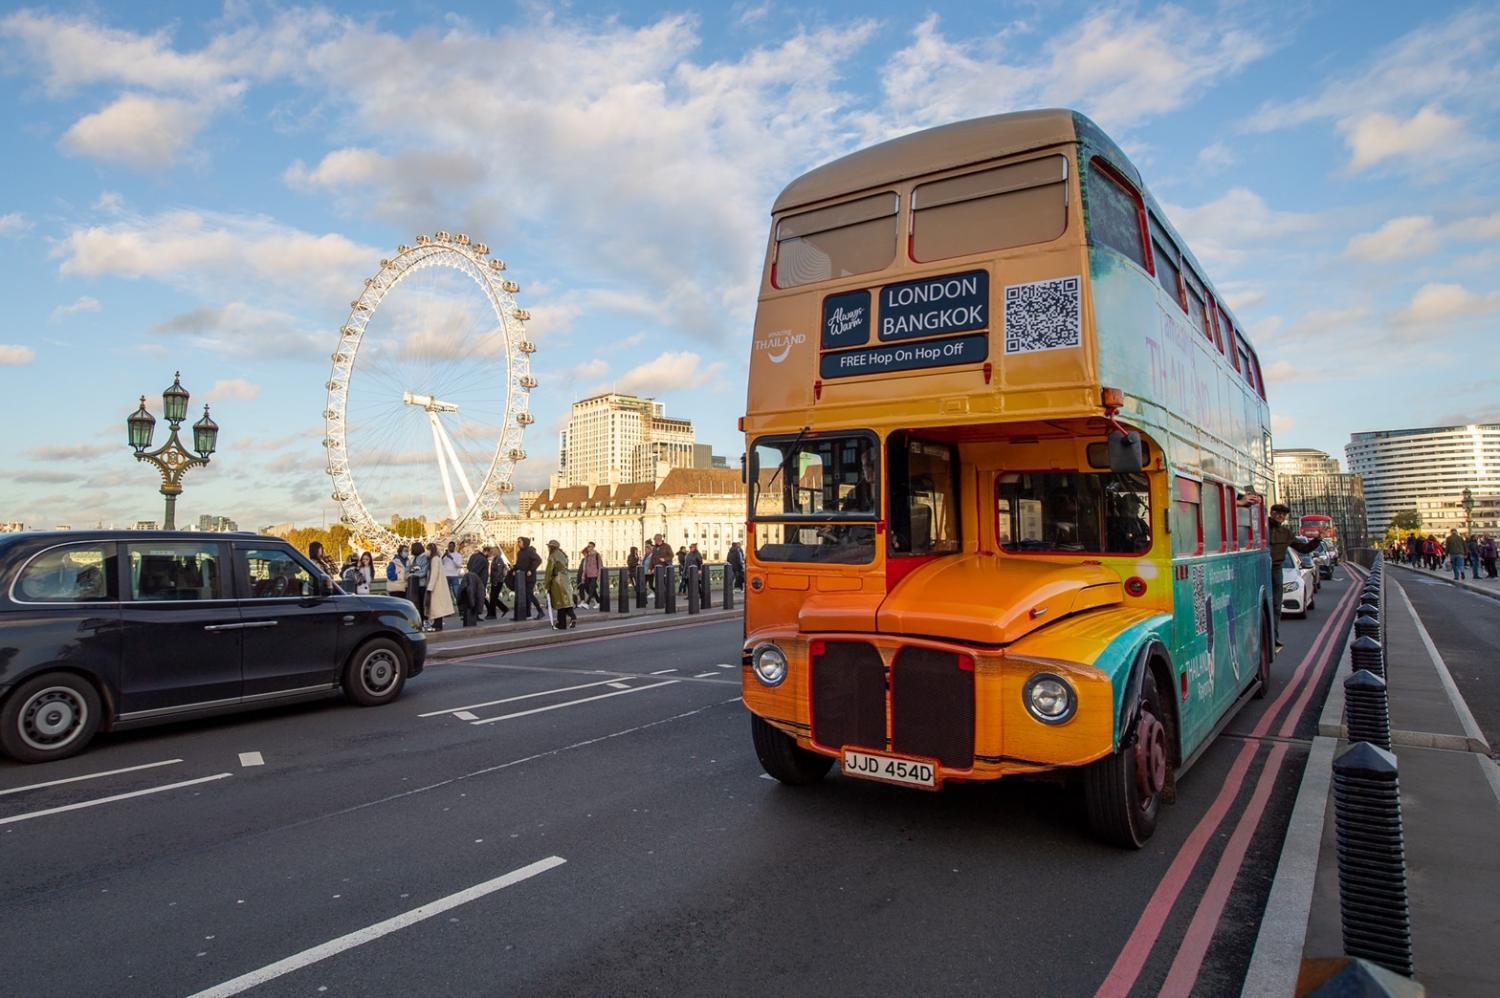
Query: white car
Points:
[1298, 584]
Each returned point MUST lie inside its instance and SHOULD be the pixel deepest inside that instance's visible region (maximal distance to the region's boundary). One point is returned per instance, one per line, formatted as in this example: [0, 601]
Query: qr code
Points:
[1201, 621]
[1043, 315]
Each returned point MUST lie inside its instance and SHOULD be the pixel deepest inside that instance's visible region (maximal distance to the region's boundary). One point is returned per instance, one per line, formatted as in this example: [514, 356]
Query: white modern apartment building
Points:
[615, 439]
[1303, 461]
[1423, 468]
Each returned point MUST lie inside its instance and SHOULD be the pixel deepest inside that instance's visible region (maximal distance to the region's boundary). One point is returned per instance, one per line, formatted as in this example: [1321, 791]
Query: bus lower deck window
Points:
[1073, 512]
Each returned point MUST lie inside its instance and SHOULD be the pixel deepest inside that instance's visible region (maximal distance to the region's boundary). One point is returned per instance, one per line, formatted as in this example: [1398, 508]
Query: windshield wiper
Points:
[788, 458]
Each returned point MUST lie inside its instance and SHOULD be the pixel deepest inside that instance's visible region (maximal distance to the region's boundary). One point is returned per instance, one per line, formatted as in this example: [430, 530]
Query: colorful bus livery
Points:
[1006, 450]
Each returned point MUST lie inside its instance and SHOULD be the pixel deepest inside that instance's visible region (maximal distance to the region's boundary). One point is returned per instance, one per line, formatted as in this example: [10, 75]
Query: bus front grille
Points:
[848, 696]
[932, 707]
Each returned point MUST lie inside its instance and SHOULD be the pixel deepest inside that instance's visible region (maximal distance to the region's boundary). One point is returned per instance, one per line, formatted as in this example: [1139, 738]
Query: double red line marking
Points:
[1190, 953]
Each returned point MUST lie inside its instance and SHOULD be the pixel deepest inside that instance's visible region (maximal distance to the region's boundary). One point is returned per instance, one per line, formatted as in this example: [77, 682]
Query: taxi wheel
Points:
[1124, 790]
[783, 759]
[376, 673]
[1265, 663]
[49, 717]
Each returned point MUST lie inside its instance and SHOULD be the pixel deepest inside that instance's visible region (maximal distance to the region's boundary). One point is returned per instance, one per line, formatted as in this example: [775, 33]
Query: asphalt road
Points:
[1465, 627]
[367, 851]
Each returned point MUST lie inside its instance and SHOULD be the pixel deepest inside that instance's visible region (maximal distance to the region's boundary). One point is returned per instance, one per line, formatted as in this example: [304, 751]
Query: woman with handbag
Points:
[559, 587]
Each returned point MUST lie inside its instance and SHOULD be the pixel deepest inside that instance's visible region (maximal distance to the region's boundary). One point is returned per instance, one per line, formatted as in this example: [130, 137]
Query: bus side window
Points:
[1244, 519]
[1213, 517]
[1197, 305]
[1187, 527]
[995, 209]
[924, 497]
[856, 237]
[1168, 272]
[1115, 212]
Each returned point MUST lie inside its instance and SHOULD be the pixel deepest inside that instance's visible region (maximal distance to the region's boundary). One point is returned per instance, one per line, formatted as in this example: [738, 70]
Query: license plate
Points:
[890, 769]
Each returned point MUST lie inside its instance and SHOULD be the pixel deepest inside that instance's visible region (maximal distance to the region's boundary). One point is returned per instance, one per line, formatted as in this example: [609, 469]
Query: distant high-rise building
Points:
[615, 439]
[1304, 461]
[12, 527]
[141, 525]
[1424, 468]
[217, 524]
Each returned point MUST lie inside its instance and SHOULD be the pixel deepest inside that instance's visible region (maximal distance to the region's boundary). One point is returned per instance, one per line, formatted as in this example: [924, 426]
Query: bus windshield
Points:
[1073, 512]
[829, 476]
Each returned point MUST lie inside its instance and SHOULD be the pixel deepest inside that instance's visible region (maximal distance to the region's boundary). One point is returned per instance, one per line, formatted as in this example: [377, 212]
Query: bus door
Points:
[925, 507]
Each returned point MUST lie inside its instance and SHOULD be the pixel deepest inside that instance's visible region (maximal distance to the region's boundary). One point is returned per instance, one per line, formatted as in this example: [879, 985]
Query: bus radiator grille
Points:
[932, 707]
[848, 696]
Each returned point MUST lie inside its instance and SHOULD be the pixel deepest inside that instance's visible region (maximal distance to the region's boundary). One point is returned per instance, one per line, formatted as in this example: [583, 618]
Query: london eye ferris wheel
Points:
[428, 402]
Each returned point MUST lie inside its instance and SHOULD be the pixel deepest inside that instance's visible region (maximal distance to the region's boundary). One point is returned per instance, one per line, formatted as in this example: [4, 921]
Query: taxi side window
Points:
[276, 572]
[83, 573]
[175, 570]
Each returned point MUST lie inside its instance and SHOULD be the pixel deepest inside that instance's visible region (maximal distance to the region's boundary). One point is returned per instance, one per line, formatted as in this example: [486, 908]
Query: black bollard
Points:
[1367, 625]
[1367, 710]
[705, 591]
[1372, 857]
[1365, 653]
[622, 593]
[728, 600]
[604, 590]
[660, 585]
[694, 594]
[640, 587]
[669, 574]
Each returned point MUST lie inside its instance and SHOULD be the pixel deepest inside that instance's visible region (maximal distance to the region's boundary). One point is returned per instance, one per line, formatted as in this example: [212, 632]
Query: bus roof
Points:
[929, 151]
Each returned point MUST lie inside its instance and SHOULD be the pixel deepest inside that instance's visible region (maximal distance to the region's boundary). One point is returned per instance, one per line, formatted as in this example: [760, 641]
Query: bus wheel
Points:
[783, 759]
[1124, 790]
[1265, 664]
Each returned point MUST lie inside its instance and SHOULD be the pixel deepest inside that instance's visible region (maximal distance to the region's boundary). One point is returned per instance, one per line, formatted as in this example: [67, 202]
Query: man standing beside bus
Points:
[1281, 539]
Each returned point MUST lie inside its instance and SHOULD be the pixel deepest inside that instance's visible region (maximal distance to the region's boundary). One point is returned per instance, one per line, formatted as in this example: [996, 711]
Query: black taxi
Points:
[112, 629]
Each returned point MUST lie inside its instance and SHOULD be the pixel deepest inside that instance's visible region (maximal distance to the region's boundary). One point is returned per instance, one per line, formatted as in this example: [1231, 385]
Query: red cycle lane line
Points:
[1127, 967]
[1192, 951]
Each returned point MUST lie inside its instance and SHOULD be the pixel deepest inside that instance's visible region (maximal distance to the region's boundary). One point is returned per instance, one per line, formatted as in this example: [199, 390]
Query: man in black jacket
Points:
[1281, 538]
[527, 562]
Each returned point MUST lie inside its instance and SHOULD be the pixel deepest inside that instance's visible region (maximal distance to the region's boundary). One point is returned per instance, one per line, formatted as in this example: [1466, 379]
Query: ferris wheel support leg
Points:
[458, 467]
[437, 445]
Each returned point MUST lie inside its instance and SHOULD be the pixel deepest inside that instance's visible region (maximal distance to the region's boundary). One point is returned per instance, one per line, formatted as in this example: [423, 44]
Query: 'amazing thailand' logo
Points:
[777, 346]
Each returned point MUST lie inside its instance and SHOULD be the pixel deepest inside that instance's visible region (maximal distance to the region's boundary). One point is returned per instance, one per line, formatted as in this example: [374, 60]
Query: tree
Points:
[1407, 519]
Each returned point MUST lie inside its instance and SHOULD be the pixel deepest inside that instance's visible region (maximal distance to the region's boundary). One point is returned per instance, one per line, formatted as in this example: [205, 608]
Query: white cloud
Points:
[13, 355]
[218, 253]
[233, 388]
[1280, 422]
[245, 331]
[84, 303]
[13, 223]
[1216, 155]
[1241, 300]
[339, 168]
[144, 133]
[1439, 302]
[1221, 230]
[71, 452]
[1400, 238]
[589, 371]
[1429, 134]
[670, 371]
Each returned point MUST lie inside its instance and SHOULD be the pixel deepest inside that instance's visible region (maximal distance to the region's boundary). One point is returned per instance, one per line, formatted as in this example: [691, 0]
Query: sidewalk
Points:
[505, 634]
[1488, 587]
[1450, 808]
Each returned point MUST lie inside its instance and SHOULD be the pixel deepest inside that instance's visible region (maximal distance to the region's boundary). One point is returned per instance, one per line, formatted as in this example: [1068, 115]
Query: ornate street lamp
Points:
[172, 460]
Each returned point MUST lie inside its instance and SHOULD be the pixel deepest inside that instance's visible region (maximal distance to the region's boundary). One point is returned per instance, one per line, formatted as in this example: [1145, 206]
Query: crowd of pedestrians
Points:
[1463, 556]
[444, 583]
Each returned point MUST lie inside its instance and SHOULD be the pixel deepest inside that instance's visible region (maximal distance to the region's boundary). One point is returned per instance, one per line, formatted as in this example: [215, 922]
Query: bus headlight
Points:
[769, 664]
[1049, 698]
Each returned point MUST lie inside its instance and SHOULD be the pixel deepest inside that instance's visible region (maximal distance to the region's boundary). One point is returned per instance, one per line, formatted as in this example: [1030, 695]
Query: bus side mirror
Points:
[1126, 455]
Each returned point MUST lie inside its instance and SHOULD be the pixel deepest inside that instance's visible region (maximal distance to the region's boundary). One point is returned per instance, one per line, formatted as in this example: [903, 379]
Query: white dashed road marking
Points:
[89, 776]
[705, 675]
[110, 800]
[523, 696]
[464, 715]
[662, 672]
[252, 759]
[620, 686]
[574, 703]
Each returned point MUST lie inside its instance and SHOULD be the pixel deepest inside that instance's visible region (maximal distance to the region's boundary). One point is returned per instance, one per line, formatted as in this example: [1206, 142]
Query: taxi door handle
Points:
[259, 623]
[348, 619]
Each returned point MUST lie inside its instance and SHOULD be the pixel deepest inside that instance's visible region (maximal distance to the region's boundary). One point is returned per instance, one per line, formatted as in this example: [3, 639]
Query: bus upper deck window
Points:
[855, 237]
[1114, 215]
[996, 209]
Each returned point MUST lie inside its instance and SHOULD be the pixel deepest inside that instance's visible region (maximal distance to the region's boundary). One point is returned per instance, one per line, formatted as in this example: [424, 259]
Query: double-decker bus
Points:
[1005, 454]
[1318, 525]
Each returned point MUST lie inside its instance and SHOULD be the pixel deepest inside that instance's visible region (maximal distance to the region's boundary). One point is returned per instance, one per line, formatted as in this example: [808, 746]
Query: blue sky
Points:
[209, 193]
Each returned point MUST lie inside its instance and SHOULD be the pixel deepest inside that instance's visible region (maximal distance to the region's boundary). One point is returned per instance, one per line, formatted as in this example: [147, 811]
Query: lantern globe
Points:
[140, 426]
[175, 401]
[205, 435]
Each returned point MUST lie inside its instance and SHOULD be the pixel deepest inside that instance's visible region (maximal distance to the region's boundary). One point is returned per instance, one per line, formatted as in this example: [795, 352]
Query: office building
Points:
[1424, 467]
[615, 439]
[1303, 461]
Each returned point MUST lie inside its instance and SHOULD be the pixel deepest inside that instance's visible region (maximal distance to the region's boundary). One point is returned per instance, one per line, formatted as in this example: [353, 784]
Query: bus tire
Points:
[782, 758]
[1124, 790]
[1265, 662]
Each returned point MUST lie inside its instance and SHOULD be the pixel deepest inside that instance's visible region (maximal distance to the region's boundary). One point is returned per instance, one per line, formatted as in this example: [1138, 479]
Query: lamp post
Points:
[1468, 502]
[172, 459]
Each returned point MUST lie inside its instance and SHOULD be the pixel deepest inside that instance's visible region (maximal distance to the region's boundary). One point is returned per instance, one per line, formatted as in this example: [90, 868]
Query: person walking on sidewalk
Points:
[1488, 551]
[559, 587]
[1282, 538]
[1453, 545]
[395, 573]
[736, 559]
[499, 573]
[453, 569]
[661, 557]
[590, 567]
[527, 563]
[1471, 551]
[633, 568]
[439, 597]
[416, 580]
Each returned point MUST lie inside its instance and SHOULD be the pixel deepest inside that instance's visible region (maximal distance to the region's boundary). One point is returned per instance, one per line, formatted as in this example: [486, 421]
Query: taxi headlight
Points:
[769, 664]
[1049, 698]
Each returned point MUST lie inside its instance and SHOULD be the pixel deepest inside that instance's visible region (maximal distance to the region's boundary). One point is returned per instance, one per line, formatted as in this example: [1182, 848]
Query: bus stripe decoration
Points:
[1043, 315]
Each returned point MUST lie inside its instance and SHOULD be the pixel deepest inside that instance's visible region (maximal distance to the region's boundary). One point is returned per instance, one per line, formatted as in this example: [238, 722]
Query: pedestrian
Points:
[1281, 538]
[661, 559]
[479, 564]
[471, 592]
[559, 589]
[349, 575]
[416, 581]
[681, 569]
[366, 574]
[395, 573]
[1488, 551]
[633, 568]
[528, 561]
[1471, 551]
[736, 559]
[590, 567]
[500, 576]
[439, 596]
[1453, 546]
[316, 554]
[453, 569]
